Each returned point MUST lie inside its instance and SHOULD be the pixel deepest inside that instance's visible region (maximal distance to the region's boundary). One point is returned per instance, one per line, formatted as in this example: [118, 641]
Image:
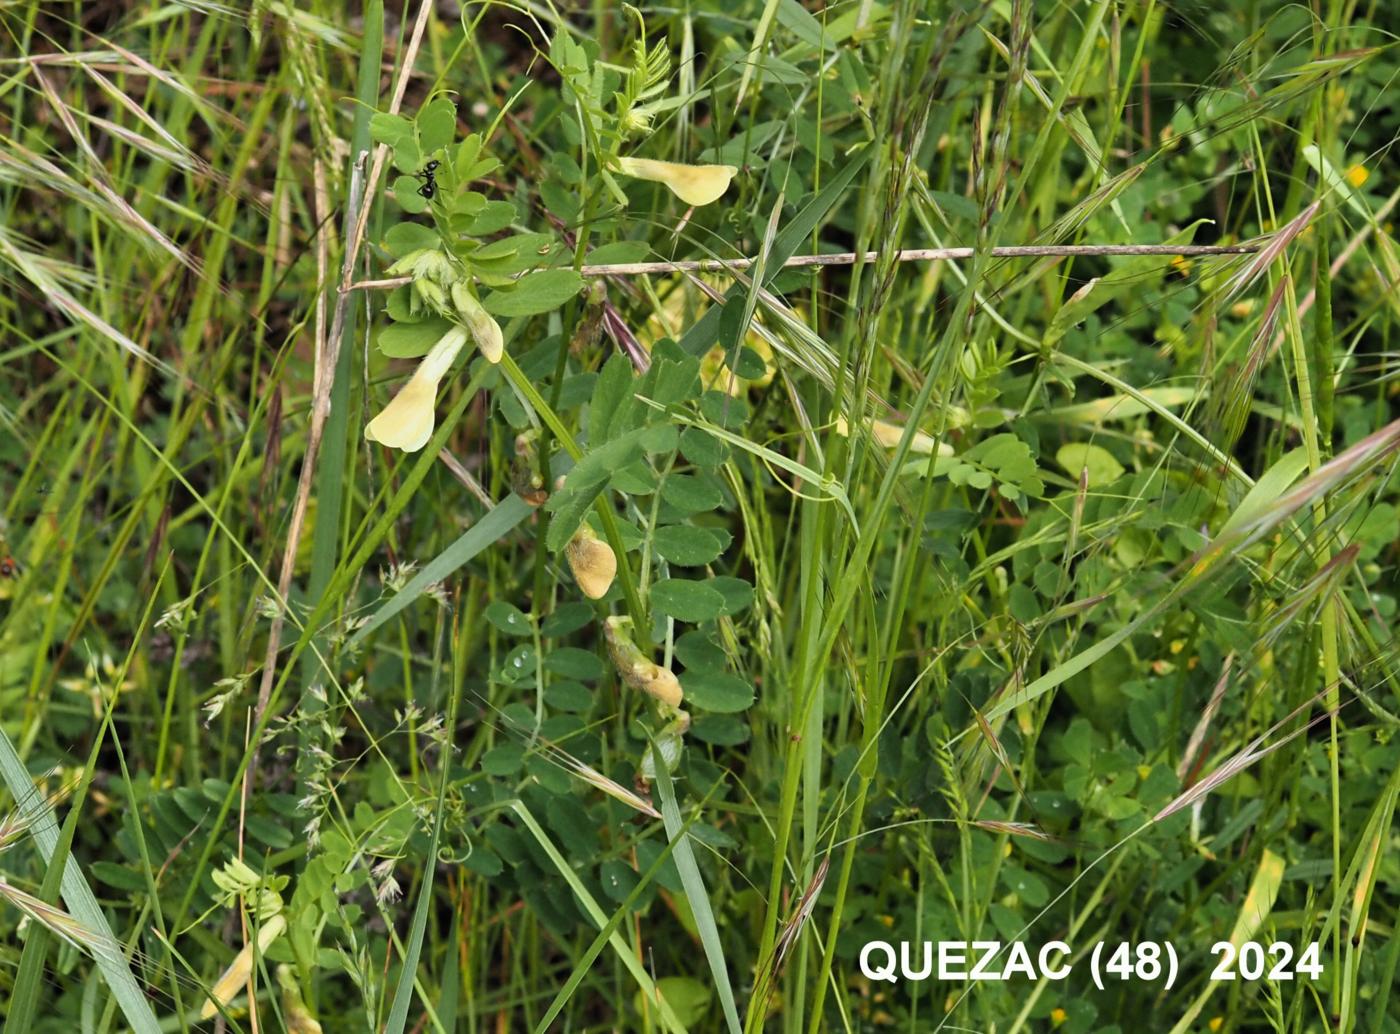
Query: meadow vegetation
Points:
[497, 535]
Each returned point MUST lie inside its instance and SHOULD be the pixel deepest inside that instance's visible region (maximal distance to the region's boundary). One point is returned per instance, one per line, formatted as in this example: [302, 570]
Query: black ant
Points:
[429, 187]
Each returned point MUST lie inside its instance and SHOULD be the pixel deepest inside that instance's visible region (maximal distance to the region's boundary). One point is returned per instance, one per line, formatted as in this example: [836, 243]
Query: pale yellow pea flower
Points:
[684, 303]
[242, 966]
[888, 435]
[407, 422]
[694, 184]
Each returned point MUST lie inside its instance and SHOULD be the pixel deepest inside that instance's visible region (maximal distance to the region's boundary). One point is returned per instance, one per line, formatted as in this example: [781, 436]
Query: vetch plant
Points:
[873, 473]
[237, 882]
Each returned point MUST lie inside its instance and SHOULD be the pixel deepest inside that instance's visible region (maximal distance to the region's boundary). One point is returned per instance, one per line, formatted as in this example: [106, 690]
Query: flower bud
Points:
[425, 263]
[298, 1017]
[241, 967]
[592, 561]
[485, 331]
[670, 742]
[637, 671]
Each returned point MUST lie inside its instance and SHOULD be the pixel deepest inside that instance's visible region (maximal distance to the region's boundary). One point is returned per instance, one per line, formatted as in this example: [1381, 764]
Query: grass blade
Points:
[624, 953]
[696, 894]
[499, 521]
[77, 895]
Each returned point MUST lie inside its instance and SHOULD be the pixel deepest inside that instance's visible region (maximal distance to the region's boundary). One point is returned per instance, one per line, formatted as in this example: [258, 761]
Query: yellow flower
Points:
[592, 561]
[693, 184]
[242, 966]
[407, 422]
[683, 304]
[1357, 175]
[486, 332]
[1058, 1016]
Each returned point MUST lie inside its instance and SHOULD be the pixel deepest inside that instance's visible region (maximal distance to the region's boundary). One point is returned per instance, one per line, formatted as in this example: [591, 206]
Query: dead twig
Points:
[849, 258]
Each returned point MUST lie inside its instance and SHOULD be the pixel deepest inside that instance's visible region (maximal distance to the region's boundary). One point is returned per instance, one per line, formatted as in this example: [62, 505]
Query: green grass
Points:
[1010, 597]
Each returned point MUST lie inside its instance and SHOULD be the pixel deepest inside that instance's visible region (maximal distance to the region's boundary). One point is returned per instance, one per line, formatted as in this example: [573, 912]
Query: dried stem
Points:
[849, 258]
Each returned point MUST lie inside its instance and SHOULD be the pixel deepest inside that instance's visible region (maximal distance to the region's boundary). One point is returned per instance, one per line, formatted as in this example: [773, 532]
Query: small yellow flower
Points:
[242, 966]
[407, 422]
[1058, 1016]
[1357, 175]
[694, 184]
[888, 435]
[1216, 1022]
[592, 561]
[681, 306]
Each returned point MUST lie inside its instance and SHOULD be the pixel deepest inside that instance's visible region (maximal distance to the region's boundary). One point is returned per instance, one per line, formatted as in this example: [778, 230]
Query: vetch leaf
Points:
[411, 340]
[574, 663]
[1100, 465]
[436, 124]
[721, 730]
[385, 128]
[405, 238]
[717, 691]
[737, 593]
[494, 217]
[686, 545]
[691, 493]
[507, 617]
[566, 618]
[534, 293]
[687, 600]
[585, 482]
[612, 408]
[406, 193]
[687, 996]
